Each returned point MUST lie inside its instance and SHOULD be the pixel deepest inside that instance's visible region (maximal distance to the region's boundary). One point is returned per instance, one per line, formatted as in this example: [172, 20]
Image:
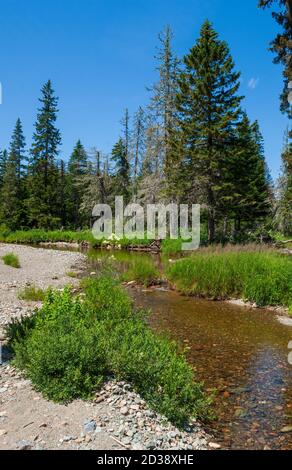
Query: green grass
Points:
[32, 293]
[69, 347]
[126, 266]
[11, 260]
[171, 247]
[143, 271]
[37, 236]
[263, 277]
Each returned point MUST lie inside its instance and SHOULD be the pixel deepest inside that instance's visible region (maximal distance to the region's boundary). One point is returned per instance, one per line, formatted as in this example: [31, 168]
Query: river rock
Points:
[89, 426]
[286, 429]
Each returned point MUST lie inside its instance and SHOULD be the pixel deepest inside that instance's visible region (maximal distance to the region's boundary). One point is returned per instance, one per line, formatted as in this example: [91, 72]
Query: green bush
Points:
[158, 372]
[11, 260]
[262, 277]
[71, 346]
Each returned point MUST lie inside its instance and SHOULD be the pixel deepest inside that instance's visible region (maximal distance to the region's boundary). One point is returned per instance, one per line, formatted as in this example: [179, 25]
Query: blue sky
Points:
[100, 57]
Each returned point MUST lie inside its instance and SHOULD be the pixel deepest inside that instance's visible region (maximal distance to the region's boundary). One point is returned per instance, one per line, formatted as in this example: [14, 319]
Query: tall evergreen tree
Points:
[77, 168]
[63, 195]
[246, 177]
[78, 162]
[3, 162]
[285, 190]
[17, 149]
[42, 202]
[122, 169]
[208, 111]
[282, 45]
[12, 189]
[10, 201]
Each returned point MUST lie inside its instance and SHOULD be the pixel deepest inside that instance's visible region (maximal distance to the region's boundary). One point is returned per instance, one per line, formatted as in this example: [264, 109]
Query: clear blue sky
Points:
[99, 55]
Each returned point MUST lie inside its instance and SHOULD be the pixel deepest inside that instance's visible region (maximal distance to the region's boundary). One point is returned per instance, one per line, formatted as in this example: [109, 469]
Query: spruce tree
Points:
[77, 169]
[43, 176]
[12, 189]
[208, 111]
[78, 161]
[247, 198]
[285, 190]
[3, 162]
[122, 169]
[11, 209]
[17, 150]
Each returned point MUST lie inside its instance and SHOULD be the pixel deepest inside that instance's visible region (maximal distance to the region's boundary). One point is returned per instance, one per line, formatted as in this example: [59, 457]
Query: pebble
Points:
[24, 445]
[214, 445]
[68, 438]
[89, 426]
[124, 410]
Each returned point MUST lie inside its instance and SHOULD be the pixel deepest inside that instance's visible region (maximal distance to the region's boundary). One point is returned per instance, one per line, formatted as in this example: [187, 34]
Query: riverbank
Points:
[117, 418]
[262, 277]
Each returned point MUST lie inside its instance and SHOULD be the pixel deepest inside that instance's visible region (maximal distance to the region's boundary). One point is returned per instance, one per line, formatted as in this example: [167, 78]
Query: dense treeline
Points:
[193, 143]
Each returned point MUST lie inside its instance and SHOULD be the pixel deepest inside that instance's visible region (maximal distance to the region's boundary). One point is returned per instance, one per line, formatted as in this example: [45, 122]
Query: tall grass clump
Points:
[263, 277]
[70, 346]
[142, 270]
[11, 260]
[32, 293]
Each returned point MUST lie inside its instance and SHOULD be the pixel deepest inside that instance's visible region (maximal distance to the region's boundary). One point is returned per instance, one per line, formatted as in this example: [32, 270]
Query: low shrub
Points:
[11, 260]
[71, 346]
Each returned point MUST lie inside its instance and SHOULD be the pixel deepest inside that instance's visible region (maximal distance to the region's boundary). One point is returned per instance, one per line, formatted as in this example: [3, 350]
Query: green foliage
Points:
[281, 45]
[32, 293]
[11, 260]
[19, 329]
[70, 346]
[261, 277]
[62, 354]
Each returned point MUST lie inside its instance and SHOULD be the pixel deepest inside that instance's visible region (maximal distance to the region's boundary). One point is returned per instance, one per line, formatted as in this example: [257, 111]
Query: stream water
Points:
[239, 351]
